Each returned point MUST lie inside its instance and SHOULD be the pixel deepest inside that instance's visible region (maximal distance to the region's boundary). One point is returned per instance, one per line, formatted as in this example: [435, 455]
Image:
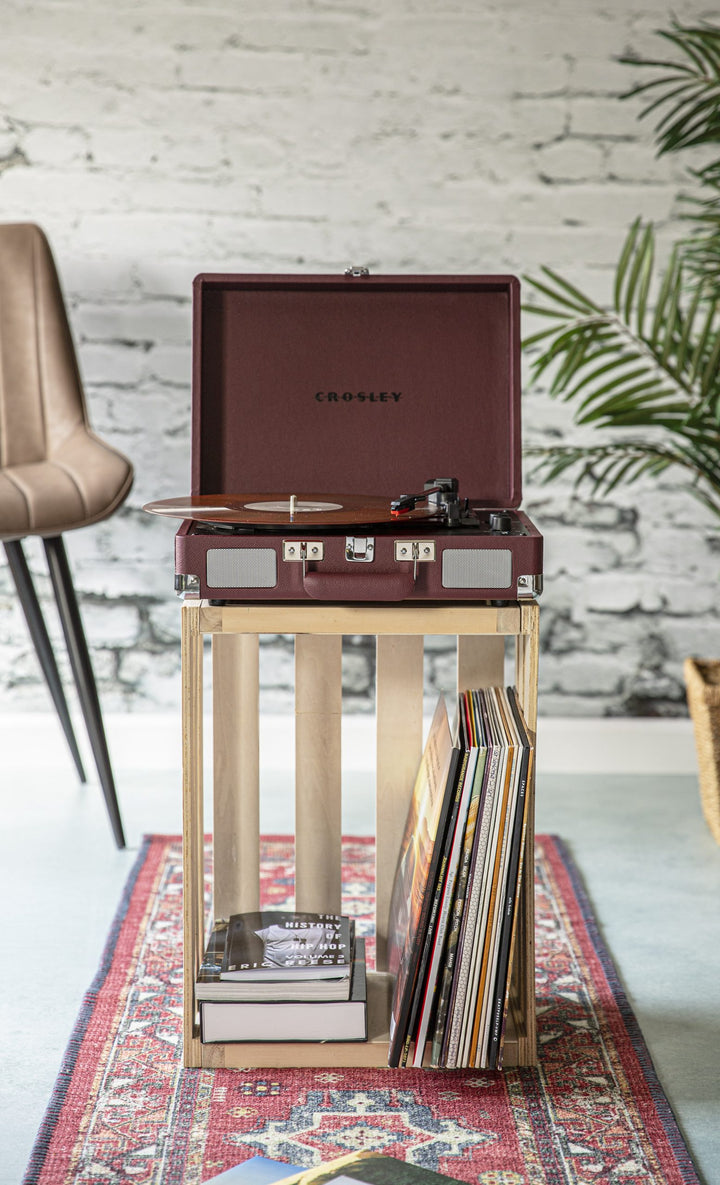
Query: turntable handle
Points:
[359, 586]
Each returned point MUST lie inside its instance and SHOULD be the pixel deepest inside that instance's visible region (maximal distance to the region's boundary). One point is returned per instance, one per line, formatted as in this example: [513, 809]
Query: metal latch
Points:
[302, 550]
[357, 272]
[417, 551]
[295, 550]
[422, 550]
[360, 549]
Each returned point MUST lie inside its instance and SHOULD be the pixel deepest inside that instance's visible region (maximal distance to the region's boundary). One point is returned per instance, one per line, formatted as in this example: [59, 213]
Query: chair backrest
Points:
[41, 398]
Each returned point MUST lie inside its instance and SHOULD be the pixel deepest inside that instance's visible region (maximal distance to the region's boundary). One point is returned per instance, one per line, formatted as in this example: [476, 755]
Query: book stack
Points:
[276, 975]
[453, 914]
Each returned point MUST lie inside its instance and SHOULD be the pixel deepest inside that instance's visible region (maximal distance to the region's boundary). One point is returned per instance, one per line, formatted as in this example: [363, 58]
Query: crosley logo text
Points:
[359, 396]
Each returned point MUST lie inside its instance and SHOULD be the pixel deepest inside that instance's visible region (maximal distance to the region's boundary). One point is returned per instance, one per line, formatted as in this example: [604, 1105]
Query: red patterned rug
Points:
[124, 1109]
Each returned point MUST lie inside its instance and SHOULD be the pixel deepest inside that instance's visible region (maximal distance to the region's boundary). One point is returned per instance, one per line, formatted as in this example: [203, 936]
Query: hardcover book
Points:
[213, 984]
[291, 1020]
[280, 945]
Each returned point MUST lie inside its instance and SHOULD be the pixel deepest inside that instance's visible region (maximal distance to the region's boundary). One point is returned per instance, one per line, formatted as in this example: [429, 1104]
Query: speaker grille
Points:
[252, 567]
[474, 568]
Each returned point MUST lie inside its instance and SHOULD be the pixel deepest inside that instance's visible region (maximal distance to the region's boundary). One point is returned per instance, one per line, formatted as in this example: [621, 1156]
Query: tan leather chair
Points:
[55, 474]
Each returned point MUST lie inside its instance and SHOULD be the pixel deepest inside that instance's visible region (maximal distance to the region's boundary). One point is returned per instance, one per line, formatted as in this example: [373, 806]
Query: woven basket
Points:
[702, 681]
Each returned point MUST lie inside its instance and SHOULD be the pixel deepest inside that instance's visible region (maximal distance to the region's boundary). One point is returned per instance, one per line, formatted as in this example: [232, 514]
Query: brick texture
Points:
[153, 141]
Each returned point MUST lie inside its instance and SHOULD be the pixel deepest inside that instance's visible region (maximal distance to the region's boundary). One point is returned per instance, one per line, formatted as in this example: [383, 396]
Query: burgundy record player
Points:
[386, 411]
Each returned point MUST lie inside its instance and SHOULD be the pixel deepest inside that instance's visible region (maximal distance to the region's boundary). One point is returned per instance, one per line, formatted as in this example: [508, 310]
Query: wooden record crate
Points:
[481, 632]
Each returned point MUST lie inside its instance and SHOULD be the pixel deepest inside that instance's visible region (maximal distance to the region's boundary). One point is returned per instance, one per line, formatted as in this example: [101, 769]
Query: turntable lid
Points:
[369, 384]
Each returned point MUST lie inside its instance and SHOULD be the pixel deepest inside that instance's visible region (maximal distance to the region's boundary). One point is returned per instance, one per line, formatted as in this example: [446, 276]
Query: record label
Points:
[294, 506]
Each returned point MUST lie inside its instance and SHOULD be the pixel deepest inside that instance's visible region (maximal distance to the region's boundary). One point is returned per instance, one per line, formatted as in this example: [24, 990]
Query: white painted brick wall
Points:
[153, 141]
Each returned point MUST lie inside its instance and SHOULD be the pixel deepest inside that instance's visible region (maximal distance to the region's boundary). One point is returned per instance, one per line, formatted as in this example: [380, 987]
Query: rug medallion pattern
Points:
[124, 1109]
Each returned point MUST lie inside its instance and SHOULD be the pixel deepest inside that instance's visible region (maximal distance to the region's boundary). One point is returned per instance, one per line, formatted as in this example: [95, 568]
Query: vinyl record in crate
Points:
[286, 511]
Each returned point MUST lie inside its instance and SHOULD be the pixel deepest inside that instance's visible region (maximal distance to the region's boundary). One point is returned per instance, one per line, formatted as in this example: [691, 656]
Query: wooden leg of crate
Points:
[480, 661]
[193, 830]
[522, 1050]
[399, 706]
[236, 770]
[527, 659]
[318, 773]
[522, 998]
[523, 974]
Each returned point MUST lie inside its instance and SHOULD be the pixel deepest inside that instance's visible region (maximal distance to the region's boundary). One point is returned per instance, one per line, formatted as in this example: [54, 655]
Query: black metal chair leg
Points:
[41, 641]
[83, 673]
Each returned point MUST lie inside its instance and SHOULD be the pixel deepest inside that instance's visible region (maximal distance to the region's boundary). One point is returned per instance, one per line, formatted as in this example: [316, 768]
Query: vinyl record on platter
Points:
[306, 511]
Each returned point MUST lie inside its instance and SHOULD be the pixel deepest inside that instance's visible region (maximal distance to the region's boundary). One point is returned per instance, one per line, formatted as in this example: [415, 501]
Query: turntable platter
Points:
[285, 511]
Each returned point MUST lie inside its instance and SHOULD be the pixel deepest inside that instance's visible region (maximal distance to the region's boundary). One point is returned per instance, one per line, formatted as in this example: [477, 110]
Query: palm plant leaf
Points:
[605, 467]
[688, 90]
[586, 346]
[703, 340]
[617, 374]
[686, 99]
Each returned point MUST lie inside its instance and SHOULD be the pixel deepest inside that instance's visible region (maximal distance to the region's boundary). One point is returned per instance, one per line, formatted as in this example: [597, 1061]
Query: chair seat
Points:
[82, 482]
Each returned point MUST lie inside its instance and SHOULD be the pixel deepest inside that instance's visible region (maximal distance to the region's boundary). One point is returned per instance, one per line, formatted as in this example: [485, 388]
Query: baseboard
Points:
[153, 741]
[616, 746]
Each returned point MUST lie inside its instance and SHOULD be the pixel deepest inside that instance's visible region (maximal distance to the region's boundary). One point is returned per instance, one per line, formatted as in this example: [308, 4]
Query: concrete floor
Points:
[649, 863]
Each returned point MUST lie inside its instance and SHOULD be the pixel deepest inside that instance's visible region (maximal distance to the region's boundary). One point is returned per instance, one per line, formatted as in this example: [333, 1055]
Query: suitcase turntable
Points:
[430, 368]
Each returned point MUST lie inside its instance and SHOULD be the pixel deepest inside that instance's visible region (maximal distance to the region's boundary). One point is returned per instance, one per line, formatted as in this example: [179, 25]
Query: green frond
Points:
[625, 257]
[644, 279]
[605, 467]
[634, 273]
[534, 338]
[559, 295]
[664, 326]
[702, 342]
[619, 383]
[569, 361]
[646, 403]
[699, 42]
[583, 302]
[591, 377]
[687, 328]
[690, 98]
[665, 97]
[628, 471]
[564, 340]
[688, 88]
[540, 311]
[710, 377]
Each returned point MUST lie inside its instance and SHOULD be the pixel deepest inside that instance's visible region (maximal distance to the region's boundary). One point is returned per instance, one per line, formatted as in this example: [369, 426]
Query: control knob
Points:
[500, 522]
